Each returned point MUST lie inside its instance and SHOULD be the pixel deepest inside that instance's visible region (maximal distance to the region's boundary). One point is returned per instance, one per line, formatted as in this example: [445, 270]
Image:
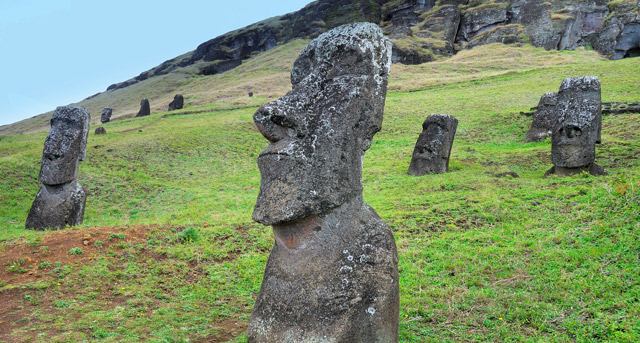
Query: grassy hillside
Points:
[170, 254]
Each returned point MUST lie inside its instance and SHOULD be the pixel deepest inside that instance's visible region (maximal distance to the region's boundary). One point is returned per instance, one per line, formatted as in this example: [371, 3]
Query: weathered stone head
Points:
[145, 109]
[433, 148]
[544, 119]
[321, 129]
[177, 103]
[578, 126]
[106, 115]
[65, 145]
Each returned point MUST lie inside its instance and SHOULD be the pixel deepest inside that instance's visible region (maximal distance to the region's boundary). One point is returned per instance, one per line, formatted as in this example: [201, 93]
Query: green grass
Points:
[481, 258]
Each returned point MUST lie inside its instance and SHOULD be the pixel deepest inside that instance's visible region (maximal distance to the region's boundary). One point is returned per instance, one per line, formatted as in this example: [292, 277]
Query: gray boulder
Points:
[100, 131]
[433, 148]
[106, 115]
[145, 109]
[177, 103]
[61, 199]
[332, 275]
[577, 127]
[543, 119]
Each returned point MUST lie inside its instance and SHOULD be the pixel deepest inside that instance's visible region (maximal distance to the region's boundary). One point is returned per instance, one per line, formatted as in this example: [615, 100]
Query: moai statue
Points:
[61, 199]
[145, 110]
[577, 128]
[433, 148]
[177, 103]
[106, 115]
[543, 119]
[101, 131]
[332, 275]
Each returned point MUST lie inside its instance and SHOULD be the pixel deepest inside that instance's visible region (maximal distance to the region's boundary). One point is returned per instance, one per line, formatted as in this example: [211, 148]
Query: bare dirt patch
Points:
[22, 263]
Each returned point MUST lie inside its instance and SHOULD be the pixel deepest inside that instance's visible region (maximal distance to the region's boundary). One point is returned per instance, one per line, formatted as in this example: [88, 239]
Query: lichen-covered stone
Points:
[433, 148]
[106, 115]
[61, 199]
[145, 109]
[332, 275]
[544, 118]
[577, 127]
[177, 103]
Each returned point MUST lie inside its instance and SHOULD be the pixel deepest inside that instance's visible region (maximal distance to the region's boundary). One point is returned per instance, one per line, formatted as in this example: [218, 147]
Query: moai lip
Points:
[332, 275]
[433, 148]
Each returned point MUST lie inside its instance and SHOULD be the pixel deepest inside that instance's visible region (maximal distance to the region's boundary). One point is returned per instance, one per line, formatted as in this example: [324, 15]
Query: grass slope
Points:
[481, 258]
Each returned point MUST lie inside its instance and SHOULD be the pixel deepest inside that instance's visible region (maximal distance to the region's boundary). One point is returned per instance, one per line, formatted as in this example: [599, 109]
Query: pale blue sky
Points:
[55, 52]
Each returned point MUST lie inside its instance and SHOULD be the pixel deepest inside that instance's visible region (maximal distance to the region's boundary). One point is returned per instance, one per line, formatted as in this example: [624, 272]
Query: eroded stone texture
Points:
[433, 148]
[332, 275]
[177, 103]
[145, 109]
[577, 128]
[61, 200]
[106, 115]
[543, 119]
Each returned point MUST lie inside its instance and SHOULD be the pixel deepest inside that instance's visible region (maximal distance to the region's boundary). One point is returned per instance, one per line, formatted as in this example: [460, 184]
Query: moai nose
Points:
[272, 122]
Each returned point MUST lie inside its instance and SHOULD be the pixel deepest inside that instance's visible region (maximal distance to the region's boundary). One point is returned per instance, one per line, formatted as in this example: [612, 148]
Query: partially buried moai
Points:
[332, 275]
[177, 103]
[106, 115]
[61, 199]
[433, 148]
[577, 127]
[544, 119]
[145, 109]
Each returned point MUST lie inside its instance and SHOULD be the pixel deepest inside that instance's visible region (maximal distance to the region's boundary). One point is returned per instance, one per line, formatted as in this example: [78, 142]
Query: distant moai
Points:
[433, 148]
[61, 199]
[332, 275]
[100, 131]
[106, 115]
[543, 118]
[177, 103]
[145, 109]
[577, 129]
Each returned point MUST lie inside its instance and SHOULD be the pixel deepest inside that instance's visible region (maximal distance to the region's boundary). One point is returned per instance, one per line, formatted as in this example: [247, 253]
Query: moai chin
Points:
[106, 115]
[61, 199]
[332, 275]
[177, 103]
[145, 109]
[577, 127]
[433, 148]
[544, 118]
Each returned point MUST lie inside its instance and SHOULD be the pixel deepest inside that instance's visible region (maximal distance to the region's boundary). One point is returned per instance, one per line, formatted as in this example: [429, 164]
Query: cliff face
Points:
[423, 30]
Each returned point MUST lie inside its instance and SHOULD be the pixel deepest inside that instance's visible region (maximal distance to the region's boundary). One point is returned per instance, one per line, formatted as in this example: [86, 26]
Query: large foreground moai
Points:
[433, 148]
[145, 109]
[577, 128]
[544, 118]
[332, 275]
[61, 199]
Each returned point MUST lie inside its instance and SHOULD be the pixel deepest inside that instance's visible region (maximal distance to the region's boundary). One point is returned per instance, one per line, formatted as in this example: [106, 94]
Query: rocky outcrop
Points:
[422, 30]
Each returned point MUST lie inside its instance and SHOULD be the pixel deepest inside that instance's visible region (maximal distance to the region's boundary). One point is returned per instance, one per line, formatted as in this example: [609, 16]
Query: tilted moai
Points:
[61, 199]
[543, 118]
[106, 115]
[577, 129]
[332, 275]
[177, 103]
[433, 148]
[145, 109]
